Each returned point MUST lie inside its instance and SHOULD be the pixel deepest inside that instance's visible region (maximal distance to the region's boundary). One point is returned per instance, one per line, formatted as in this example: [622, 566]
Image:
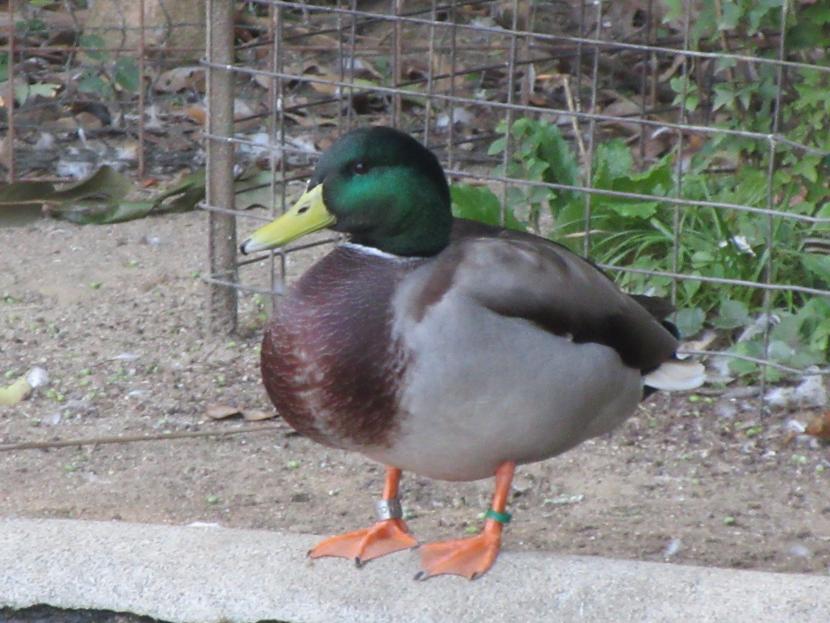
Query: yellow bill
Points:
[309, 214]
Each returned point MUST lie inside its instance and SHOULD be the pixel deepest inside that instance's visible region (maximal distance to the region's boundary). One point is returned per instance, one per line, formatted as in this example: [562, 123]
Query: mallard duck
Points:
[446, 347]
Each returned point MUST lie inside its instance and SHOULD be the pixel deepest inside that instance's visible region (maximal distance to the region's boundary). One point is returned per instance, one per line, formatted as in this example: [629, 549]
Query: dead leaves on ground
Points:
[224, 412]
[181, 78]
[819, 426]
[105, 197]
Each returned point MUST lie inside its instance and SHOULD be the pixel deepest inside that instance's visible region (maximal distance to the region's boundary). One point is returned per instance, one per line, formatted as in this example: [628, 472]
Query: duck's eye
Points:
[360, 167]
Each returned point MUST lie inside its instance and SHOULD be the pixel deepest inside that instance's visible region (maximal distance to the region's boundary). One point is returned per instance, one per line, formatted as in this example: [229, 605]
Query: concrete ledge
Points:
[208, 575]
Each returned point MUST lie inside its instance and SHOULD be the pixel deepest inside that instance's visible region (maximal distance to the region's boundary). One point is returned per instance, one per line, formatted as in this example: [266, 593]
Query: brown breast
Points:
[329, 363]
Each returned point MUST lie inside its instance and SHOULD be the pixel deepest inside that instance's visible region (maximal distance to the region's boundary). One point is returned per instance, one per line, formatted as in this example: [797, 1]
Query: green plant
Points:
[108, 75]
[538, 153]
[479, 203]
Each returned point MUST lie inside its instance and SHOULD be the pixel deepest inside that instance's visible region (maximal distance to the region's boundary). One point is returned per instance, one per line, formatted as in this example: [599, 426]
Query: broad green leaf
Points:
[824, 213]
[536, 170]
[689, 321]
[806, 166]
[742, 367]
[749, 349]
[497, 146]
[723, 63]
[780, 351]
[186, 201]
[185, 184]
[691, 287]
[760, 8]
[25, 192]
[611, 161]
[732, 314]
[810, 29]
[818, 265]
[614, 172]
[570, 219]
[31, 25]
[820, 337]
[478, 203]
[745, 96]
[85, 213]
[126, 74]
[730, 14]
[92, 45]
[105, 185]
[555, 150]
[724, 96]
[674, 10]
[23, 92]
[91, 82]
[101, 198]
[788, 329]
[678, 85]
[632, 209]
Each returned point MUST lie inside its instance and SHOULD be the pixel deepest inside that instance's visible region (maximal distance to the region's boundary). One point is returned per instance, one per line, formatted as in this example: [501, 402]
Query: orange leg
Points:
[473, 556]
[386, 536]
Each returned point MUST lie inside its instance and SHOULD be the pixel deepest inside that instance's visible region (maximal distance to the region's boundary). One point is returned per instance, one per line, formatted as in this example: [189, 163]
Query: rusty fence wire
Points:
[84, 86]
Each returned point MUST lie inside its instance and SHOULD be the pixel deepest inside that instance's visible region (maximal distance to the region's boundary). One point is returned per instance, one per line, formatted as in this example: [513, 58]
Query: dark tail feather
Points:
[660, 309]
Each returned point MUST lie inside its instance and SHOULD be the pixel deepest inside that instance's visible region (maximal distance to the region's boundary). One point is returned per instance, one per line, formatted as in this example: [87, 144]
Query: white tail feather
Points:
[676, 375]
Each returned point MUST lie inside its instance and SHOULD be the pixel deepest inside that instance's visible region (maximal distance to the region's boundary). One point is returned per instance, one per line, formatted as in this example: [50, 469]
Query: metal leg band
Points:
[389, 509]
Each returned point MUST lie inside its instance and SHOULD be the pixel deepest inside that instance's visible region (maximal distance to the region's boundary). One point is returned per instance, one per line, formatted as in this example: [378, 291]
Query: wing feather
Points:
[524, 276]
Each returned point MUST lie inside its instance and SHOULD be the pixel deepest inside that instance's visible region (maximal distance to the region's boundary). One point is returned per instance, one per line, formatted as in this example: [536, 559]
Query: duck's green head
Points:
[379, 185]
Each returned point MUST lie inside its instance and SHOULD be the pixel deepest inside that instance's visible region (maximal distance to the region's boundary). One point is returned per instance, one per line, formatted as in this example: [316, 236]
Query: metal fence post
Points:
[11, 167]
[220, 156]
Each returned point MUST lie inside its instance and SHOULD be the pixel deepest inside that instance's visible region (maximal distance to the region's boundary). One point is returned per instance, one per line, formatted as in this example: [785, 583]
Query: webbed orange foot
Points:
[384, 537]
[388, 535]
[469, 557]
[473, 556]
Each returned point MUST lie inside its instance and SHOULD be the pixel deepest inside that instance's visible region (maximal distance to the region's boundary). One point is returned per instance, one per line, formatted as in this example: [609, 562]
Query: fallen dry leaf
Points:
[256, 415]
[325, 88]
[16, 392]
[6, 151]
[23, 387]
[624, 109]
[88, 121]
[196, 113]
[221, 412]
[265, 81]
[819, 426]
[181, 78]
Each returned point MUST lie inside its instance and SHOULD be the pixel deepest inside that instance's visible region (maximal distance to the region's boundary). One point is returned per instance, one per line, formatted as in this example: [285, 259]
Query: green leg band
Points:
[502, 518]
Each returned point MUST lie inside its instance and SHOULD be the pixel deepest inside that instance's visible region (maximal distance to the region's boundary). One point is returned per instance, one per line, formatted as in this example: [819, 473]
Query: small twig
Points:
[17, 308]
[566, 84]
[724, 41]
[95, 441]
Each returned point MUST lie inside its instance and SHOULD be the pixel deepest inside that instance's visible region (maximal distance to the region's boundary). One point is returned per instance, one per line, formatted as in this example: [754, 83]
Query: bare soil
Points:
[117, 316]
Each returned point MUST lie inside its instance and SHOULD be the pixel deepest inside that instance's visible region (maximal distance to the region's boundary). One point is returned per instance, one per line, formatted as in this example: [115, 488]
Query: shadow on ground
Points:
[47, 614]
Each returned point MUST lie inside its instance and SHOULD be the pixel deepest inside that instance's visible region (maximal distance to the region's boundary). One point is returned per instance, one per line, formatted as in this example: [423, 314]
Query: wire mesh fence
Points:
[678, 144]
[84, 87]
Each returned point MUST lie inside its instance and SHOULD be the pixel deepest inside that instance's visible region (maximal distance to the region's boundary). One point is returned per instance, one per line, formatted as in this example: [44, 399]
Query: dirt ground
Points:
[117, 316]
